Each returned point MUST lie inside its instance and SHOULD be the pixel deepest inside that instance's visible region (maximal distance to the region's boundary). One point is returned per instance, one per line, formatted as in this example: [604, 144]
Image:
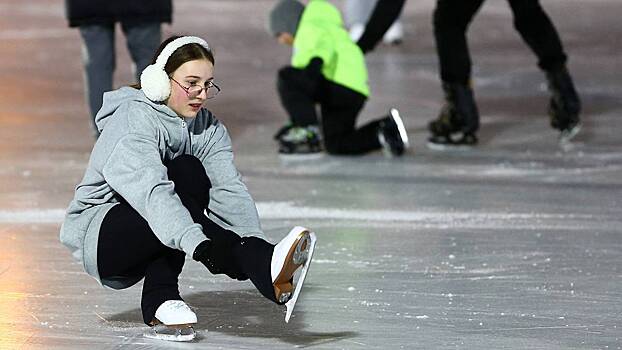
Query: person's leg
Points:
[340, 109]
[459, 113]
[128, 249]
[161, 282]
[297, 96]
[297, 92]
[537, 30]
[98, 58]
[248, 257]
[143, 40]
[271, 267]
[252, 256]
[540, 34]
[193, 185]
[451, 20]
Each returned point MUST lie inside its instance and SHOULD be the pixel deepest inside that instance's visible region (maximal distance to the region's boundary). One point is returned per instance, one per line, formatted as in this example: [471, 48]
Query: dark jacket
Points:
[85, 12]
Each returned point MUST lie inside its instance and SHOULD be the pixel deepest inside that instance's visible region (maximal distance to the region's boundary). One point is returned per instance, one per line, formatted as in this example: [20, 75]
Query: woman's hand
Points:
[217, 255]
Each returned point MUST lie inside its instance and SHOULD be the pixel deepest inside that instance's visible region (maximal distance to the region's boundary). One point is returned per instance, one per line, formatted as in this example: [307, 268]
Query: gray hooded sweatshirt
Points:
[127, 161]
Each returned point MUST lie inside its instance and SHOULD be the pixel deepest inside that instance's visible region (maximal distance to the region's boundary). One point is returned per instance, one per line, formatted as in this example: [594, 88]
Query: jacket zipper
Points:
[184, 125]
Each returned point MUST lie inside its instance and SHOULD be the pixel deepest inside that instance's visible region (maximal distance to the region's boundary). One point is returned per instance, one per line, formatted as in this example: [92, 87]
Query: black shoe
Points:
[459, 113]
[452, 141]
[564, 105]
[392, 134]
[299, 140]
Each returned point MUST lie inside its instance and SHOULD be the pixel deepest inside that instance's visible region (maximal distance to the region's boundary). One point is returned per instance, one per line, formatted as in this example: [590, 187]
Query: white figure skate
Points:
[567, 135]
[173, 322]
[394, 35]
[356, 31]
[291, 253]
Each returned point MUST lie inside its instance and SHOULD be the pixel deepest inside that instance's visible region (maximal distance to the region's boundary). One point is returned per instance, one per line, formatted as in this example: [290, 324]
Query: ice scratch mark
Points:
[288, 210]
[30, 216]
[5, 270]
[100, 316]
[428, 218]
[35, 317]
[355, 342]
[578, 327]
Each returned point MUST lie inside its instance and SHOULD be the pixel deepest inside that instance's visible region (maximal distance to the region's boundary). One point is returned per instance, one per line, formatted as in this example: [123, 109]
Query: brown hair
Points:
[186, 53]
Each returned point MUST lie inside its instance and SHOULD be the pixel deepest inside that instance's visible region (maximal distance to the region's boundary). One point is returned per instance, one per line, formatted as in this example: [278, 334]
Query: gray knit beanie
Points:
[285, 16]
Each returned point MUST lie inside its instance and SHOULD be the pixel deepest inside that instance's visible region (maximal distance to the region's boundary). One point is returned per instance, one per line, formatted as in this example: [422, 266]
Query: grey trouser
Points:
[98, 57]
[359, 11]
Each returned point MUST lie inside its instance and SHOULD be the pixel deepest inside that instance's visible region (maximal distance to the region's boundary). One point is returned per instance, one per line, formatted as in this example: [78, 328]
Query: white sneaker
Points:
[291, 253]
[394, 35]
[173, 322]
[356, 31]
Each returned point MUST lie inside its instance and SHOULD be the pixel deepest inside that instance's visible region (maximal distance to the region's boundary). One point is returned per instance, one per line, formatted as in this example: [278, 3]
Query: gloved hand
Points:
[217, 255]
[307, 79]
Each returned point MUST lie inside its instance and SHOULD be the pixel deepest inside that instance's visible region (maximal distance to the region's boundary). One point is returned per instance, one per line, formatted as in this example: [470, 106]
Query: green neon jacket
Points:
[321, 34]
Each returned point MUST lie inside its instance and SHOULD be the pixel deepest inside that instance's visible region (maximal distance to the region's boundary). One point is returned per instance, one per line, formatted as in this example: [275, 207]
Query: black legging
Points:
[129, 250]
[340, 107]
[452, 18]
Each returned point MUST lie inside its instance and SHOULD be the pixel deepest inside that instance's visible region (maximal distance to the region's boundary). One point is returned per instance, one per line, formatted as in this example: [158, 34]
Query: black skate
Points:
[299, 140]
[392, 134]
[564, 105]
[457, 122]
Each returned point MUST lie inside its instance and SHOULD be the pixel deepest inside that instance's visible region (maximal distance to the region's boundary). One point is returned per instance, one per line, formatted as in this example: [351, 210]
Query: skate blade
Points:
[171, 333]
[448, 147]
[567, 135]
[300, 157]
[303, 274]
[296, 257]
[395, 114]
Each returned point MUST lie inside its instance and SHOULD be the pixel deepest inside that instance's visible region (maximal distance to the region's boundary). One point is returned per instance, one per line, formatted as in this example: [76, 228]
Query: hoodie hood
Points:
[114, 99]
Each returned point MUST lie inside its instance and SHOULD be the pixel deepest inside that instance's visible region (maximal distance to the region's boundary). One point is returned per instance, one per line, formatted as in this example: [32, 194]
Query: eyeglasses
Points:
[193, 91]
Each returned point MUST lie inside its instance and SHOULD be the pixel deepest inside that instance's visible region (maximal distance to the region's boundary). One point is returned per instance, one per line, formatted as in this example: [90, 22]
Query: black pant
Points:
[340, 106]
[129, 250]
[452, 17]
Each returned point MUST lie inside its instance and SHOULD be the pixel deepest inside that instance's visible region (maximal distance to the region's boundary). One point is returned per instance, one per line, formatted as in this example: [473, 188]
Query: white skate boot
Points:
[173, 322]
[356, 31]
[394, 35]
[291, 253]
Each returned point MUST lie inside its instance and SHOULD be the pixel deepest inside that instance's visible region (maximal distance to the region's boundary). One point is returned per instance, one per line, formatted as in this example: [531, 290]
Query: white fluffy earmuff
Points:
[154, 81]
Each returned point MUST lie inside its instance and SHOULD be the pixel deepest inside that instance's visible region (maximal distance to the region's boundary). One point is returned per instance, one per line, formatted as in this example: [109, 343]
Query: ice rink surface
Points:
[516, 244]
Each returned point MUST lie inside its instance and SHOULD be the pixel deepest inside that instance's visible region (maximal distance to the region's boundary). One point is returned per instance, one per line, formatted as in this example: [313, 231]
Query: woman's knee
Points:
[188, 169]
[184, 161]
[192, 184]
